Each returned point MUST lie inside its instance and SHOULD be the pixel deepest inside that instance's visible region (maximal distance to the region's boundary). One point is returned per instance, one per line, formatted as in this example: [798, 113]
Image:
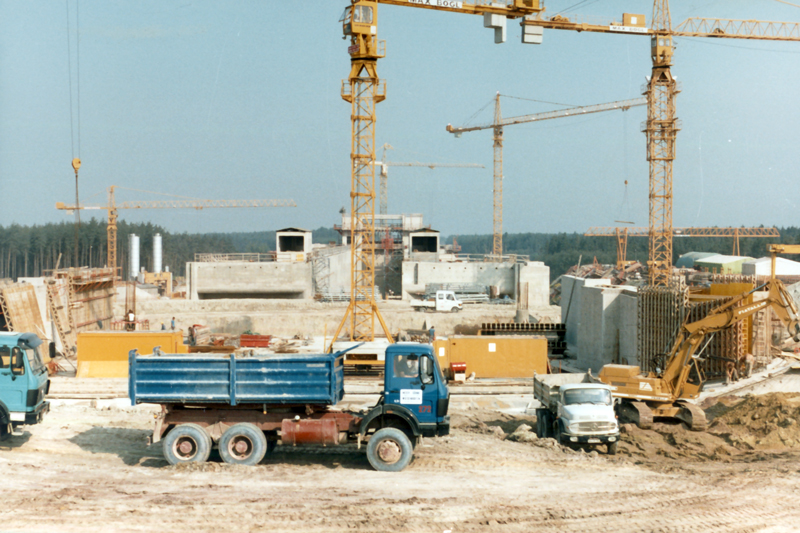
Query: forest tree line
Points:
[31, 251]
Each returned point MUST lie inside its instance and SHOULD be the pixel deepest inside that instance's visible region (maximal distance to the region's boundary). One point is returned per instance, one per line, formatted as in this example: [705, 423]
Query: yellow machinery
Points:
[499, 123]
[163, 280]
[104, 354]
[664, 394]
[112, 208]
[622, 235]
[662, 124]
[513, 356]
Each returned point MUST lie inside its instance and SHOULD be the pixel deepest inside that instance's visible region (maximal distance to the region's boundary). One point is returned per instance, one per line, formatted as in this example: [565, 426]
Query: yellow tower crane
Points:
[499, 123]
[623, 233]
[112, 207]
[662, 125]
[384, 173]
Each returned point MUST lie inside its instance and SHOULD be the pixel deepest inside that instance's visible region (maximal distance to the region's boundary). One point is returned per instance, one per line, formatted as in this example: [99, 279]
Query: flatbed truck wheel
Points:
[187, 443]
[243, 444]
[612, 447]
[389, 450]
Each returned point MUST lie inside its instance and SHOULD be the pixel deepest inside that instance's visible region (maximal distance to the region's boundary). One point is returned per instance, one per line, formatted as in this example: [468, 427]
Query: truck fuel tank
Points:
[324, 431]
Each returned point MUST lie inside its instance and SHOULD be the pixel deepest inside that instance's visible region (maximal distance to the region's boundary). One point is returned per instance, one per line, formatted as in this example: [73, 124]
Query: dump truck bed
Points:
[284, 379]
[546, 387]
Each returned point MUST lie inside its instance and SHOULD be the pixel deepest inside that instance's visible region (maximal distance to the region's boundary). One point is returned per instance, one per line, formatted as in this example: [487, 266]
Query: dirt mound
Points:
[761, 422]
[673, 441]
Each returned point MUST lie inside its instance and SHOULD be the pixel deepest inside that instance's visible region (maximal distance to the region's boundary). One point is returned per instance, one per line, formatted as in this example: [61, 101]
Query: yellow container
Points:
[511, 356]
[104, 354]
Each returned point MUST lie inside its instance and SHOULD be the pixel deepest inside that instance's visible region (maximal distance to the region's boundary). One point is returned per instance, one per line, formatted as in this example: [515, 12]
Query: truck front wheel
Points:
[243, 444]
[612, 447]
[389, 450]
[187, 443]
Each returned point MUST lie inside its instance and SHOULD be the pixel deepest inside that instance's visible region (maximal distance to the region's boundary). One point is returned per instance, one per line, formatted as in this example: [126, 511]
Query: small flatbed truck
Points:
[445, 301]
[576, 409]
[246, 405]
[24, 383]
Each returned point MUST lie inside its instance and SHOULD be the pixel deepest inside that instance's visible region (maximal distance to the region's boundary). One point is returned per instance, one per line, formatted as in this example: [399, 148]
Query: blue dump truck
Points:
[246, 405]
[24, 383]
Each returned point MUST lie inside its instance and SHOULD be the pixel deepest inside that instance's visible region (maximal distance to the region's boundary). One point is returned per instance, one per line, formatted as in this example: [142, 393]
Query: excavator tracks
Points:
[693, 416]
[636, 413]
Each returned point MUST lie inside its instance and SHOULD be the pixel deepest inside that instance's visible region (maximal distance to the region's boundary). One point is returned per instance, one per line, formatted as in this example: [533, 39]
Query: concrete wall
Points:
[242, 279]
[571, 306]
[601, 322]
[416, 274]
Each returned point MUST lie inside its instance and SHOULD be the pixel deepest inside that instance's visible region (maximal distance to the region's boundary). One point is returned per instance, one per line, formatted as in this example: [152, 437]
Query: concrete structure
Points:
[292, 245]
[601, 321]
[400, 228]
[242, 279]
[505, 276]
[763, 267]
[721, 264]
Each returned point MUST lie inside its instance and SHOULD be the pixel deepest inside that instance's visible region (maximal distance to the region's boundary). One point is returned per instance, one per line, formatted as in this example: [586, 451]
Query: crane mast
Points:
[362, 90]
[497, 191]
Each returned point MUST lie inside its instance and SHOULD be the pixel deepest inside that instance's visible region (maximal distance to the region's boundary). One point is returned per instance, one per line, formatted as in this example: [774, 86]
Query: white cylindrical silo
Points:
[133, 253]
[157, 253]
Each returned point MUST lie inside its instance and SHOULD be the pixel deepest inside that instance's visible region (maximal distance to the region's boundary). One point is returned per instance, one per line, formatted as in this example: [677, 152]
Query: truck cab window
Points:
[426, 370]
[596, 396]
[406, 366]
[5, 357]
[34, 359]
[17, 361]
[450, 297]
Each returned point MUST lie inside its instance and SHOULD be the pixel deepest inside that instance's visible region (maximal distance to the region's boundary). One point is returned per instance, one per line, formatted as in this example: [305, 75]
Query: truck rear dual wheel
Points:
[187, 443]
[243, 444]
[544, 424]
[389, 450]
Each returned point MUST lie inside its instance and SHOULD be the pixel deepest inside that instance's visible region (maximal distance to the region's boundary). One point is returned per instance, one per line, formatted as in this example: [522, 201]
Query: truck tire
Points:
[187, 443]
[243, 444]
[541, 423]
[5, 423]
[389, 450]
[612, 447]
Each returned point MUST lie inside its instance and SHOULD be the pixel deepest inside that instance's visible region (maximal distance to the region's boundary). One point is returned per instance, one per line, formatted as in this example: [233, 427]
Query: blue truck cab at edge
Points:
[24, 382]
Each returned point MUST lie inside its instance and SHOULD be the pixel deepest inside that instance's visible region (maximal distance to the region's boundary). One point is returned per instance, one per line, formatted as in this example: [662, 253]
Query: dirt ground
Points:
[89, 469]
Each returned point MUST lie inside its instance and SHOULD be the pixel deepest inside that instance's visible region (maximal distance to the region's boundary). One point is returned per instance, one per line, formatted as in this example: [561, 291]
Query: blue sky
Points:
[229, 100]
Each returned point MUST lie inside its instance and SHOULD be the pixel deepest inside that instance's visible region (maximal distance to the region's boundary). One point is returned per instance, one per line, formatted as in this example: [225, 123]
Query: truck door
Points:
[441, 301]
[13, 384]
[406, 386]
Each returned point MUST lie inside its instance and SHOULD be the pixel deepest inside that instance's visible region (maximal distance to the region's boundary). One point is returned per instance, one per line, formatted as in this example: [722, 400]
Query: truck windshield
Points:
[596, 396]
[34, 360]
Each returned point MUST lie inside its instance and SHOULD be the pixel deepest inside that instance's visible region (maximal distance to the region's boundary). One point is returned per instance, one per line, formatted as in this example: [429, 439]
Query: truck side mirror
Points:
[17, 361]
[51, 348]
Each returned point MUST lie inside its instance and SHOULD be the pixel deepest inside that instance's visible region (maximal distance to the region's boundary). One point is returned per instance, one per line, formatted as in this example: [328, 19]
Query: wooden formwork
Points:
[20, 309]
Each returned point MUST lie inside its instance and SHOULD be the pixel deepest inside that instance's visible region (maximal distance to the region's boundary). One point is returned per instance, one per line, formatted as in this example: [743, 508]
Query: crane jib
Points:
[438, 3]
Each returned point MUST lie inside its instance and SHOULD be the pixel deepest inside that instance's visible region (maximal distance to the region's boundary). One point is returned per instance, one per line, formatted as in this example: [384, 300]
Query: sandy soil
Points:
[89, 469]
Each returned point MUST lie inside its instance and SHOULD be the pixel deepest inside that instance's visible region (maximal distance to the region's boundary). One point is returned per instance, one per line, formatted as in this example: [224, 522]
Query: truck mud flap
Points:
[636, 413]
[693, 416]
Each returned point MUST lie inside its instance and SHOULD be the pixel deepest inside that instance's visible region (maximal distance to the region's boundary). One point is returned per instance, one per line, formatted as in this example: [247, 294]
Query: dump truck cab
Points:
[414, 385]
[24, 383]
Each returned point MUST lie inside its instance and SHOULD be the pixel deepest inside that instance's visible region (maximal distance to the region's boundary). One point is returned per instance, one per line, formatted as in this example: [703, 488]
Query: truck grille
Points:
[595, 426]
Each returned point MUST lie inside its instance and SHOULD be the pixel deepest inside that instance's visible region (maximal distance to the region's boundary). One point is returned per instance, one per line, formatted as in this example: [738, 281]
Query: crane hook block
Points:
[76, 164]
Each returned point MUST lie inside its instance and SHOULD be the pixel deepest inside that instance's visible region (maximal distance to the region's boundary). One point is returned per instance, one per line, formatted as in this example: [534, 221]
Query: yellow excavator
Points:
[643, 397]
